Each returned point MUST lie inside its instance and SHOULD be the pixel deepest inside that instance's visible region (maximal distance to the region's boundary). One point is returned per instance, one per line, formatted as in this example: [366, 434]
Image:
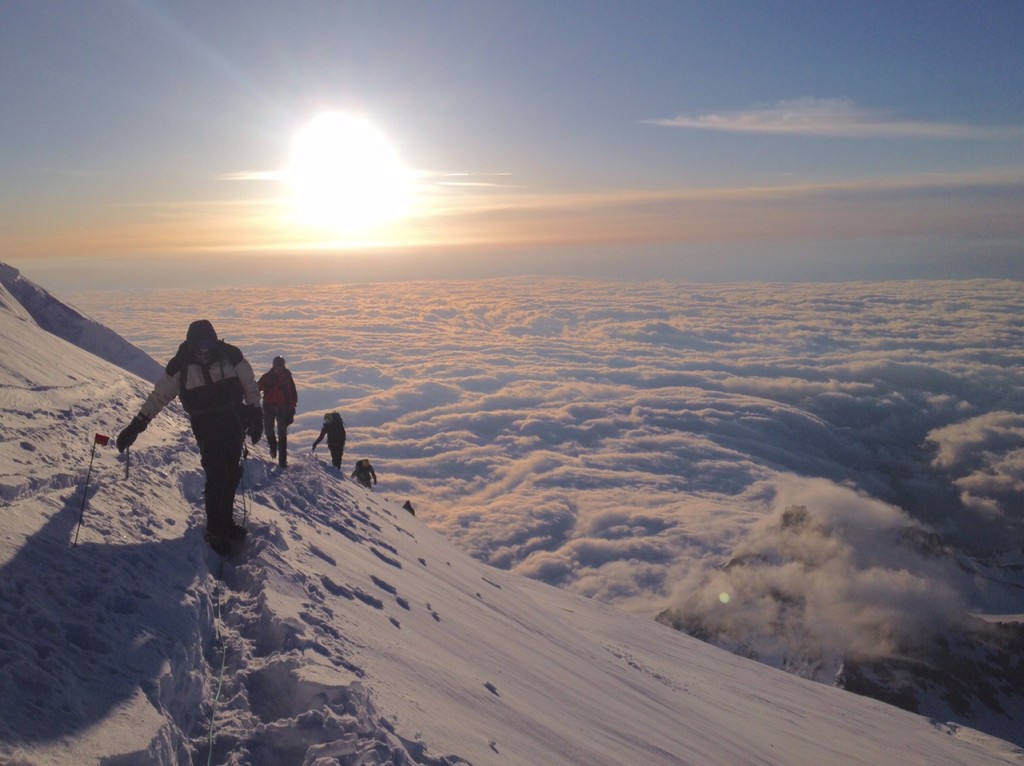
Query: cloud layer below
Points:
[629, 440]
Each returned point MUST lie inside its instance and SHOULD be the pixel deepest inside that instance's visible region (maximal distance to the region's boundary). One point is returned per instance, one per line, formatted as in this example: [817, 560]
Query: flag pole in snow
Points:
[101, 440]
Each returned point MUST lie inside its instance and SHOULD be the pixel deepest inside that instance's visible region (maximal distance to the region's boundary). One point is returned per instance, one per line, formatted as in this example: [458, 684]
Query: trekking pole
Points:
[245, 482]
[127, 461]
[98, 439]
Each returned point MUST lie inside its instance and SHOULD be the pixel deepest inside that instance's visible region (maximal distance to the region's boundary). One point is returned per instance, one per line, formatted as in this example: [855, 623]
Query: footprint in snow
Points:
[335, 589]
[386, 559]
[383, 585]
[320, 554]
[369, 600]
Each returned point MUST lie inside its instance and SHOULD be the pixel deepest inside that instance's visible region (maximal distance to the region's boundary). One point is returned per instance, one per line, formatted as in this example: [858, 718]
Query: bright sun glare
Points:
[345, 175]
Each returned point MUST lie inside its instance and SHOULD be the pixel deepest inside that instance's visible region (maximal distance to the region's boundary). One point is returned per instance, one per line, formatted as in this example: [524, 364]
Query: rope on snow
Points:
[223, 664]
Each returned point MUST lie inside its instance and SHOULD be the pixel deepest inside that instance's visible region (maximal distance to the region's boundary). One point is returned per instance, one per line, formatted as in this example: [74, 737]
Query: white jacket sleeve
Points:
[163, 394]
[247, 378]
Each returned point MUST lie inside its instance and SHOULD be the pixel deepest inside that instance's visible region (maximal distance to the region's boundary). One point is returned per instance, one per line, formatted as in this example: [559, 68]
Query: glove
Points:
[127, 437]
[255, 429]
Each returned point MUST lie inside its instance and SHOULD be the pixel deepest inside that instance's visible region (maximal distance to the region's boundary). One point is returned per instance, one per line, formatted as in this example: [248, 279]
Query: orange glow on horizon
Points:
[495, 217]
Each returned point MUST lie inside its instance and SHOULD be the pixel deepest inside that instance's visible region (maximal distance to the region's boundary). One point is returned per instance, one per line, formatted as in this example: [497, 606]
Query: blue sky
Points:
[687, 135]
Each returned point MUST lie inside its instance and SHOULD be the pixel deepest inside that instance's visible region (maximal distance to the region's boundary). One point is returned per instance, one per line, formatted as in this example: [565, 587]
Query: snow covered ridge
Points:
[346, 633]
[64, 322]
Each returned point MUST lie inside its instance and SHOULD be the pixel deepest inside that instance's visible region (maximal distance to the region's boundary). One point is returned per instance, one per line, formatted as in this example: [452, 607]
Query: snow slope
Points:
[69, 324]
[346, 632]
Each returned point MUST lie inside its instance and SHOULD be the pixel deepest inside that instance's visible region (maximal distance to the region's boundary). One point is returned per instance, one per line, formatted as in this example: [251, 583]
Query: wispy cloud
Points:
[463, 179]
[253, 175]
[831, 117]
[425, 177]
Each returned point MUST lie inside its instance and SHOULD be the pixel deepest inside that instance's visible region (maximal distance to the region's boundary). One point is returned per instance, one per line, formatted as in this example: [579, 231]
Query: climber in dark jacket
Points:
[334, 430]
[218, 391]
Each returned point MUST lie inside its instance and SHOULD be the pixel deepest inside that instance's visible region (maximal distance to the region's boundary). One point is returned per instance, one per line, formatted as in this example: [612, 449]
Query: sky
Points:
[192, 143]
[346, 631]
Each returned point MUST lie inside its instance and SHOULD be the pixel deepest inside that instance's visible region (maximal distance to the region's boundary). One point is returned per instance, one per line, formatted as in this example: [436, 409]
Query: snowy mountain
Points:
[346, 632]
[19, 294]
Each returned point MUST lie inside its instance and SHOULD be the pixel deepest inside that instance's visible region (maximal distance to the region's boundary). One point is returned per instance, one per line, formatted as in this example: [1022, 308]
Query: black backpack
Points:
[335, 428]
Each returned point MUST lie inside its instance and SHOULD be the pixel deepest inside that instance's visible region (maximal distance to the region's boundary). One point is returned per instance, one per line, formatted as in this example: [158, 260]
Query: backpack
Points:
[278, 388]
[335, 428]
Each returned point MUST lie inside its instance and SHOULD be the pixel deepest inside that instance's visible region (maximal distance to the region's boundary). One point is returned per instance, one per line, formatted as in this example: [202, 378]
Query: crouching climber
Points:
[364, 473]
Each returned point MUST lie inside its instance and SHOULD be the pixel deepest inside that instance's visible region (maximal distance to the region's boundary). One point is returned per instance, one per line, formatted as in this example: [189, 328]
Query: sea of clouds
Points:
[728, 450]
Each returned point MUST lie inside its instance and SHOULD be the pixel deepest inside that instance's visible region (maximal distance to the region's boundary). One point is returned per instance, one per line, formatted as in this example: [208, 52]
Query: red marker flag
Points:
[102, 440]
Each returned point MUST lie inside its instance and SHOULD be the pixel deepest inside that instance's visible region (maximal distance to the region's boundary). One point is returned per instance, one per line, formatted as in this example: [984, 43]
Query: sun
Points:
[345, 175]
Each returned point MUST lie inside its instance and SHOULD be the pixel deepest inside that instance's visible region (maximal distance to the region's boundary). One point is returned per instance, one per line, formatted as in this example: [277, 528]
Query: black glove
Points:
[255, 429]
[127, 437]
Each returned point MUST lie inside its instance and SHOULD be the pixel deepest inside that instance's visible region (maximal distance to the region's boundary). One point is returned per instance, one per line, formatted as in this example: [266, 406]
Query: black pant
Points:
[277, 418]
[220, 436]
[337, 451]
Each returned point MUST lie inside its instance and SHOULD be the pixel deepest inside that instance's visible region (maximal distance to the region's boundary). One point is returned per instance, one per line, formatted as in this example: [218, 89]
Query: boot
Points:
[217, 521]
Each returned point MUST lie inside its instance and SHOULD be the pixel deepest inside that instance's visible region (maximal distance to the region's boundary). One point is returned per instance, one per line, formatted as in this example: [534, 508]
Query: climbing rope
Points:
[223, 664]
[247, 500]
